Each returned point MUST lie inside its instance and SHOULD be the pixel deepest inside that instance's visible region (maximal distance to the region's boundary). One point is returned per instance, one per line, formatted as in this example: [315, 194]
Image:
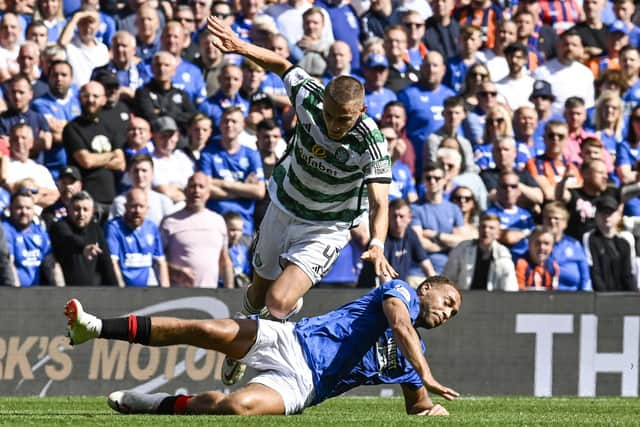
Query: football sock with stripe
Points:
[135, 329]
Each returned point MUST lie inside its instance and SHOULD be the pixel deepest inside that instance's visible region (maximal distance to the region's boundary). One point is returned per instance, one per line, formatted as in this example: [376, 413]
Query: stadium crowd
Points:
[134, 153]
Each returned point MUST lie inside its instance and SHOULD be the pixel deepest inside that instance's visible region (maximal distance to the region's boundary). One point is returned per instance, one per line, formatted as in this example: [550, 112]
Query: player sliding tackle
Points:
[317, 191]
[371, 340]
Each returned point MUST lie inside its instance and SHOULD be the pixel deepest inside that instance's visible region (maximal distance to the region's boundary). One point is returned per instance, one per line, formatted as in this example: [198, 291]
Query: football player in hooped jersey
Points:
[369, 341]
[335, 167]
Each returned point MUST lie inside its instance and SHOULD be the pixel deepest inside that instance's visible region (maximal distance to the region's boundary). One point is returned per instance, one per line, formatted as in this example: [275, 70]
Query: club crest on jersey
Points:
[319, 151]
[342, 155]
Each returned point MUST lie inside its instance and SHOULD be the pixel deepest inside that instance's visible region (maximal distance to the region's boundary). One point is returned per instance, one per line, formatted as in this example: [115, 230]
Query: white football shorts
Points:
[283, 238]
[281, 365]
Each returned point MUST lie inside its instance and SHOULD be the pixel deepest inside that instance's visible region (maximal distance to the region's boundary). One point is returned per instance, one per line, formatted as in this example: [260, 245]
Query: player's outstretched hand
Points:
[446, 392]
[435, 411]
[375, 255]
[225, 38]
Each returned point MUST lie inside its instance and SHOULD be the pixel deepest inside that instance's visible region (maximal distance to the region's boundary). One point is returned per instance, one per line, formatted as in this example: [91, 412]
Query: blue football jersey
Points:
[338, 345]
[28, 248]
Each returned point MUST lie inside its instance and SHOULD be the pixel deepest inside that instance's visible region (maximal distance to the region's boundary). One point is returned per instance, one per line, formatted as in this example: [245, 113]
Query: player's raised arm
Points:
[378, 225]
[228, 42]
[408, 340]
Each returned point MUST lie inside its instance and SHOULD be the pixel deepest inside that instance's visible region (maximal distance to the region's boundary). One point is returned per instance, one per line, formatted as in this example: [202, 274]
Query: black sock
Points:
[167, 405]
[135, 329]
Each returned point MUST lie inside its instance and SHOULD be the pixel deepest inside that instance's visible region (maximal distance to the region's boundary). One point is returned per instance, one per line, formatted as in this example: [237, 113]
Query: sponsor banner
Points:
[540, 344]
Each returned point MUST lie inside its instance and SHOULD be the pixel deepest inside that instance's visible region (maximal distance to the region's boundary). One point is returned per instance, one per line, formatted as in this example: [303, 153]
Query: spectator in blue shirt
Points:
[376, 96]
[437, 222]
[238, 249]
[346, 26]
[236, 171]
[136, 246]
[230, 80]
[402, 185]
[59, 106]
[567, 251]
[148, 37]
[28, 242]
[423, 102]
[516, 223]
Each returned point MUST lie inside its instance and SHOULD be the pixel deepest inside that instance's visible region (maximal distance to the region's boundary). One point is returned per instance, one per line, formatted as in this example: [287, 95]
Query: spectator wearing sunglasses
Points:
[473, 125]
[466, 201]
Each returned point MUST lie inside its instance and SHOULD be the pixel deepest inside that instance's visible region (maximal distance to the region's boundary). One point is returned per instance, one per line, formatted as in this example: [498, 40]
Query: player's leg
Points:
[286, 291]
[254, 399]
[228, 336]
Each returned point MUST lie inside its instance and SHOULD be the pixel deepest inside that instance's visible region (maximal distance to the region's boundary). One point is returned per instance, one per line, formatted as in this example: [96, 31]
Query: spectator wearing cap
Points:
[339, 62]
[610, 253]
[592, 30]
[91, 147]
[141, 173]
[79, 246]
[517, 86]
[237, 177]
[138, 139]
[69, 183]
[442, 32]
[230, 81]
[542, 99]
[122, 64]
[376, 95]
[59, 106]
[20, 166]
[401, 72]
[423, 102]
[566, 75]
[193, 231]
[85, 52]
[172, 168]
[160, 97]
[617, 38]
[115, 113]
[210, 61]
[19, 96]
[28, 242]
[147, 25]
[187, 76]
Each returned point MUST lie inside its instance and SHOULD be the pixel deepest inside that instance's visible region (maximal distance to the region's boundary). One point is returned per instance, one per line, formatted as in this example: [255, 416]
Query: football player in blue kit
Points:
[372, 340]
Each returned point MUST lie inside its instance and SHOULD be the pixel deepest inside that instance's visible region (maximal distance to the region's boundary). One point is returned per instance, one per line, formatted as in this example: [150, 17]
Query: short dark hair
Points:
[231, 110]
[454, 101]
[440, 281]
[573, 102]
[432, 166]
[392, 104]
[571, 32]
[230, 216]
[63, 62]
[18, 77]
[398, 204]
[515, 47]
[140, 158]
[489, 217]
[266, 124]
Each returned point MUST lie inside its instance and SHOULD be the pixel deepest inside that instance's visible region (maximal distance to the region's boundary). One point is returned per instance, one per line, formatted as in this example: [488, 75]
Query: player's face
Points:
[82, 213]
[340, 118]
[439, 304]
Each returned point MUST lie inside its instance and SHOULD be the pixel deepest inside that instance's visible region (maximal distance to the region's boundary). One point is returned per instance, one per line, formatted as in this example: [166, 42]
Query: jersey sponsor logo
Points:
[387, 352]
[100, 144]
[137, 260]
[404, 293]
[312, 162]
[31, 258]
[319, 151]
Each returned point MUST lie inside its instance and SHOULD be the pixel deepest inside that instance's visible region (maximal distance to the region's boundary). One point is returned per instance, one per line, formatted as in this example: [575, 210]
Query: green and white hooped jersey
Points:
[319, 179]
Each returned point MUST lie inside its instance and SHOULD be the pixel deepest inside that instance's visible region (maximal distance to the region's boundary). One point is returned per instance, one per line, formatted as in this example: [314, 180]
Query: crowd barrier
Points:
[541, 344]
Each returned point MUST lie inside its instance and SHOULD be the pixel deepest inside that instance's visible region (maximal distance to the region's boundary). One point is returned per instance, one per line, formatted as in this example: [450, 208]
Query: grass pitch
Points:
[91, 411]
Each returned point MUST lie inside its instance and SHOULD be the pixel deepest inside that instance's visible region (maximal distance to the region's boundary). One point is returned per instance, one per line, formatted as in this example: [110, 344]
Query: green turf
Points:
[343, 411]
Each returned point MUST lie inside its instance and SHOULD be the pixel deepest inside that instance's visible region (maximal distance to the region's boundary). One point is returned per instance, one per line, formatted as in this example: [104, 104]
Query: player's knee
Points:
[238, 405]
[278, 305]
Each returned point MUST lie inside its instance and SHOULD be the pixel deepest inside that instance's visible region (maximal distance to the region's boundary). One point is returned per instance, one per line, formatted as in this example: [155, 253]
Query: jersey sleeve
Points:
[377, 167]
[111, 236]
[157, 250]
[295, 79]
[401, 290]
